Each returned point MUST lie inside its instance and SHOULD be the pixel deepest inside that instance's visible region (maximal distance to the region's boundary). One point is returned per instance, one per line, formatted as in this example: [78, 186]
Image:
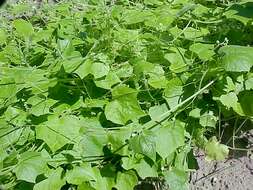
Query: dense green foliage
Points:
[100, 94]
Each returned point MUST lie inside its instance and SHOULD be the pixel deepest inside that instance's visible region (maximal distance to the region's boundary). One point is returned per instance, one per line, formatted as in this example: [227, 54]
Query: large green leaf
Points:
[58, 131]
[126, 180]
[241, 12]
[246, 103]
[97, 69]
[110, 80]
[71, 63]
[135, 16]
[177, 179]
[144, 170]
[54, 181]
[23, 28]
[236, 58]
[8, 88]
[169, 138]
[3, 36]
[40, 106]
[156, 112]
[142, 167]
[124, 106]
[177, 61]
[30, 165]
[145, 144]
[93, 144]
[8, 138]
[80, 174]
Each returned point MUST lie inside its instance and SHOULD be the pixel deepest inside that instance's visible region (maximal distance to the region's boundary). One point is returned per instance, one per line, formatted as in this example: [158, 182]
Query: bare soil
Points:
[232, 174]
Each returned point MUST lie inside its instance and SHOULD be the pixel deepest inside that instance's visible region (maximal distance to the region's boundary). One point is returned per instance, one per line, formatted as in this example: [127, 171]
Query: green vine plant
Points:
[100, 95]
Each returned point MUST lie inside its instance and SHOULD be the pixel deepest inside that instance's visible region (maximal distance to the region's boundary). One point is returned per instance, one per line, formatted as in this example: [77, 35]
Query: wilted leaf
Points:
[215, 151]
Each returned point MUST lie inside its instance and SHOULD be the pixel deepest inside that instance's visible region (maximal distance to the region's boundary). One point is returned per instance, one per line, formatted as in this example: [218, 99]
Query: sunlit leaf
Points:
[31, 165]
[54, 181]
[144, 144]
[124, 106]
[58, 131]
[23, 28]
[169, 138]
[236, 58]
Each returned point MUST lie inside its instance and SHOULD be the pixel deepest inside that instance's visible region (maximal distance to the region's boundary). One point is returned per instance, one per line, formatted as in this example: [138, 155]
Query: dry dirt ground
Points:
[235, 173]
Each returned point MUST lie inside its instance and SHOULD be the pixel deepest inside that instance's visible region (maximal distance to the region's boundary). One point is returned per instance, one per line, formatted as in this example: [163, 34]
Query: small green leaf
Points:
[156, 77]
[31, 165]
[155, 72]
[204, 51]
[230, 85]
[215, 151]
[195, 113]
[249, 84]
[3, 37]
[173, 92]
[124, 71]
[208, 120]
[177, 61]
[229, 100]
[23, 28]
